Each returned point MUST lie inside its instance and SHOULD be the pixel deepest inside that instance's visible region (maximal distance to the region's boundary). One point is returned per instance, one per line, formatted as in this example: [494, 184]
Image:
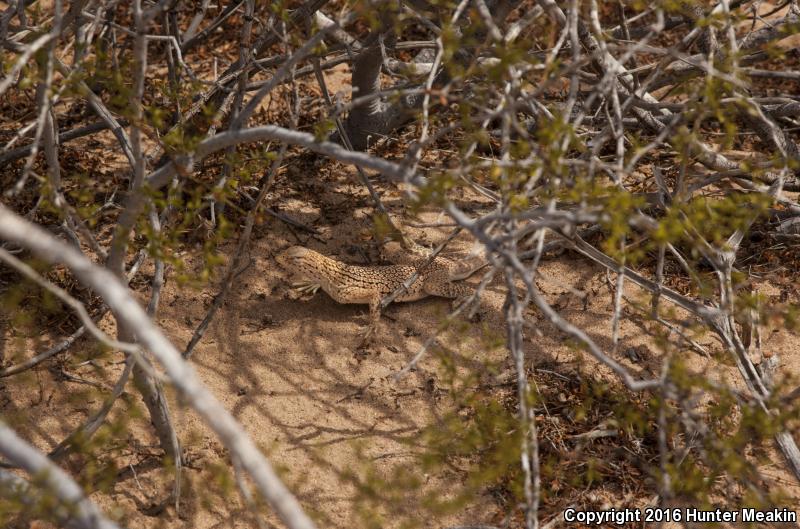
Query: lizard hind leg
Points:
[440, 285]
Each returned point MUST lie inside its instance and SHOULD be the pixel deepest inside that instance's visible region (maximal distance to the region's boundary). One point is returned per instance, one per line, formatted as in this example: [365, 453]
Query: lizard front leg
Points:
[374, 321]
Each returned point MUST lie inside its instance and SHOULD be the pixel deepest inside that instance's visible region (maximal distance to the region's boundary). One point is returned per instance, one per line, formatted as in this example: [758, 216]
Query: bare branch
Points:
[55, 480]
[116, 295]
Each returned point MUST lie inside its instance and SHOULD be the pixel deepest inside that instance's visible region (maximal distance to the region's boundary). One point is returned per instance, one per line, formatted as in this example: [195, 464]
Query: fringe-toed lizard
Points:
[370, 284]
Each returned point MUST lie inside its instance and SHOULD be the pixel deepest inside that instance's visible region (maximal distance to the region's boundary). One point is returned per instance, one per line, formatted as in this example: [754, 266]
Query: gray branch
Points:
[78, 507]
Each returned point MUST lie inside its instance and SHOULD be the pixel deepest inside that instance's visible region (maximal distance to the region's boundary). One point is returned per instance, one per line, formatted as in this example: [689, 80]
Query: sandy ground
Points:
[290, 370]
[330, 417]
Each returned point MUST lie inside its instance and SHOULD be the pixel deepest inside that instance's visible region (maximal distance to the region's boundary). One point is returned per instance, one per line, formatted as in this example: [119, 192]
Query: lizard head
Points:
[293, 256]
[299, 262]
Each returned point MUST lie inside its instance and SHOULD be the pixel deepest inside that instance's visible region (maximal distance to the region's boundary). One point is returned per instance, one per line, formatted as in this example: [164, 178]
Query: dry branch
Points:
[56, 481]
[128, 311]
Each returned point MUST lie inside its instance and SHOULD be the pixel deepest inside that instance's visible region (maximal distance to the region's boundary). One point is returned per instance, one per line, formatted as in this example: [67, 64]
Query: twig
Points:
[41, 357]
[68, 300]
[349, 146]
[244, 241]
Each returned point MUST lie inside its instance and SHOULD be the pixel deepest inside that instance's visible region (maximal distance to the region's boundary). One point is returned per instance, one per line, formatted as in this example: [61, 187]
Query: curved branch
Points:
[85, 513]
[162, 176]
[127, 310]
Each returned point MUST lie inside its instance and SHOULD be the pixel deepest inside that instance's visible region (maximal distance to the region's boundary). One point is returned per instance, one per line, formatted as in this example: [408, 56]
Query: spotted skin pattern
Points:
[370, 284]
